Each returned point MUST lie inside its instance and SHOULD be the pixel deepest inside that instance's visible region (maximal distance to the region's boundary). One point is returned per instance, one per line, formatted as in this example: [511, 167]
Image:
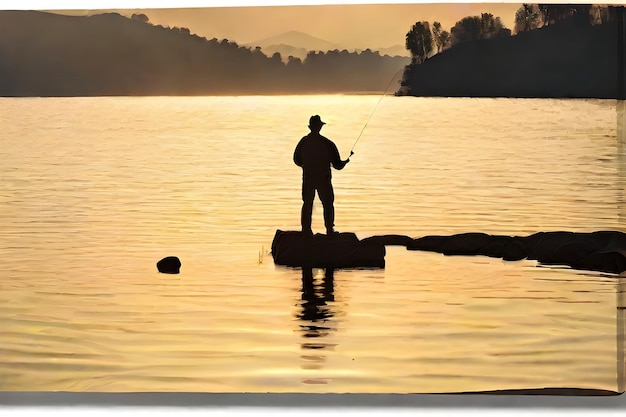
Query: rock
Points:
[389, 240]
[612, 262]
[542, 244]
[514, 250]
[602, 251]
[496, 247]
[467, 244]
[569, 253]
[461, 244]
[169, 265]
[429, 243]
[342, 250]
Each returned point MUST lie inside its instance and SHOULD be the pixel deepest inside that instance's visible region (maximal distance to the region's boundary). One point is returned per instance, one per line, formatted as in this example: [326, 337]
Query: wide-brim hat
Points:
[316, 121]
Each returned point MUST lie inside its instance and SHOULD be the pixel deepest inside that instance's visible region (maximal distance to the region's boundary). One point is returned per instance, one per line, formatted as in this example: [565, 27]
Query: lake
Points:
[95, 191]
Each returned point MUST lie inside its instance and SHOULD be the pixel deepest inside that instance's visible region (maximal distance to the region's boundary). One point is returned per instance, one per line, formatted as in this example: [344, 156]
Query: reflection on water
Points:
[621, 158]
[317, 316]
[621, 331]
[621, 285]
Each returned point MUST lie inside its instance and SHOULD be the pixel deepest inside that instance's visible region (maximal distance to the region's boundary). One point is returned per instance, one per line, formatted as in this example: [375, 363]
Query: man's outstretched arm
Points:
[336, 161]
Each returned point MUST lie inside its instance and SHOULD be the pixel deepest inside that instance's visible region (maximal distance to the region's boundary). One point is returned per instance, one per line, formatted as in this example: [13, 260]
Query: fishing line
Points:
[374, 111]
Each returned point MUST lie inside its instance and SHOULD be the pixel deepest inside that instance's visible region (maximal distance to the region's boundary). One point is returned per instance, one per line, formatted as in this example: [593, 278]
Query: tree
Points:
[276, 57]
[527, 18]
[293, 62]
[596, 15]
[583, 12]
[445, 38]
[437, 34]
[440, 36]
[467, 29]
[141, 17]
[473, 28]
[552, 13]
[492, 27]
[419, 41]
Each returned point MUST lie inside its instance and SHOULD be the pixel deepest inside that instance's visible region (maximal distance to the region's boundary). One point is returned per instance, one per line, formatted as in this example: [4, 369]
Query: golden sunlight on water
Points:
[96, 190]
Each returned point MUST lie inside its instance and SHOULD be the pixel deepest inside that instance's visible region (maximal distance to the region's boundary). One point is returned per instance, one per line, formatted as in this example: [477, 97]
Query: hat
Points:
[316, 121]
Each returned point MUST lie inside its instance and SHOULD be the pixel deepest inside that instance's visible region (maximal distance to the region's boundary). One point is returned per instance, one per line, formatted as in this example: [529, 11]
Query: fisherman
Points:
[315, 154]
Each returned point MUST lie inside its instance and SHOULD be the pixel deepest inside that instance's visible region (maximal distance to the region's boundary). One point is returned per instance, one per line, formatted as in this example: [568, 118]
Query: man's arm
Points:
[336, 158]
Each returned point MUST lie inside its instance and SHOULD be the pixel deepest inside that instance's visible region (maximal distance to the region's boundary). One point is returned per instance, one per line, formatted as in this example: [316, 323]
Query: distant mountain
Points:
[394, 50]
[296, 40]
[298, 44]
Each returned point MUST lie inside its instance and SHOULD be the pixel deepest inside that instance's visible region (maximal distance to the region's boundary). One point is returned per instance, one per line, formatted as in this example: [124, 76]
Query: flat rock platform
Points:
[342, 250]
[602, 251]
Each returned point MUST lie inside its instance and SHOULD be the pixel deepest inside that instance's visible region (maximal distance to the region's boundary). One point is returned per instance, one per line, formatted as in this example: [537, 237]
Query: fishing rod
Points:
[374, 111]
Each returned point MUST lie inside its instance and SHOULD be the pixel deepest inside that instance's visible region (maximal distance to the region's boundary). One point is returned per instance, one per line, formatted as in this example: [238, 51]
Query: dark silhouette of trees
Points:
[492, 27]
[533, 16]
[527, 18]
[569, 57]
[606, 14]
[294, 62]
[110, 54]
[419, 41]
[473, 28]
[467, 29]
[342, 70]
[441, 37]
[553, 13]
[141, 17]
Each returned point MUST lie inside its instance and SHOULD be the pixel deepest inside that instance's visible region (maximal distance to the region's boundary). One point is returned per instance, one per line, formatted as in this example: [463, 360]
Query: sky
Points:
[347, 25]
[351, 26]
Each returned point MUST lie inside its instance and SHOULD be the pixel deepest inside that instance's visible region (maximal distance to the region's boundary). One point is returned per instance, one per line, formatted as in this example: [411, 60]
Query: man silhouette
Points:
[315, 154]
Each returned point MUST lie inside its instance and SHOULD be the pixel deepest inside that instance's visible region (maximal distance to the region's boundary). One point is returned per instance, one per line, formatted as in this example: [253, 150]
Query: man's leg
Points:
[327, 195]
[308, 195]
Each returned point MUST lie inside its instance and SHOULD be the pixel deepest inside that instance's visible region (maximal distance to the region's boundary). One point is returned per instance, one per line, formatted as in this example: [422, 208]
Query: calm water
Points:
[94, 191]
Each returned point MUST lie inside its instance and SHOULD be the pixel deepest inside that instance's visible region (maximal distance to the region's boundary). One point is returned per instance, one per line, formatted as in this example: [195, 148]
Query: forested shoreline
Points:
[555, 51]
[44, 54]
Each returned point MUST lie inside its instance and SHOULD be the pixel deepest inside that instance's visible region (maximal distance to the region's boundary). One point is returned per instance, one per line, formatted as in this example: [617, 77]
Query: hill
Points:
[44, 54]
[570, 59]
[394, 50]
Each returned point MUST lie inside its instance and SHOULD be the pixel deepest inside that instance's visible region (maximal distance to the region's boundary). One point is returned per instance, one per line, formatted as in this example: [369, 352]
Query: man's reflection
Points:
[621, 330]
[317, 315]
[621, 158]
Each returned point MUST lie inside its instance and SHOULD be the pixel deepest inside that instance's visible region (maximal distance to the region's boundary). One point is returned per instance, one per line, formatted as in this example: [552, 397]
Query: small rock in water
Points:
[169, 265]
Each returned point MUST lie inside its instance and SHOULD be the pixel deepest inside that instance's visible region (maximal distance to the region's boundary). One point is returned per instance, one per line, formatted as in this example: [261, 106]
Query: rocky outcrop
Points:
[343, 250]
[602, 251]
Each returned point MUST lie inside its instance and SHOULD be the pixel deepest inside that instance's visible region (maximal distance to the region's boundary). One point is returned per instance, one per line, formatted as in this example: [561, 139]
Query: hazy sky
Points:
[350, 26]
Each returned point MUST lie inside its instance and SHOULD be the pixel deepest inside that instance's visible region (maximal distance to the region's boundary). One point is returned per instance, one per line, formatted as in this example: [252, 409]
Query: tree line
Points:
[422, 42]
[534, 16]
[559, 51]
[333, 70]
[109, 54]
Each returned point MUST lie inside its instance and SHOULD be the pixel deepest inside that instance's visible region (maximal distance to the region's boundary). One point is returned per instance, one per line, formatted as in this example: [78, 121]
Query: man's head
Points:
[315, 123]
